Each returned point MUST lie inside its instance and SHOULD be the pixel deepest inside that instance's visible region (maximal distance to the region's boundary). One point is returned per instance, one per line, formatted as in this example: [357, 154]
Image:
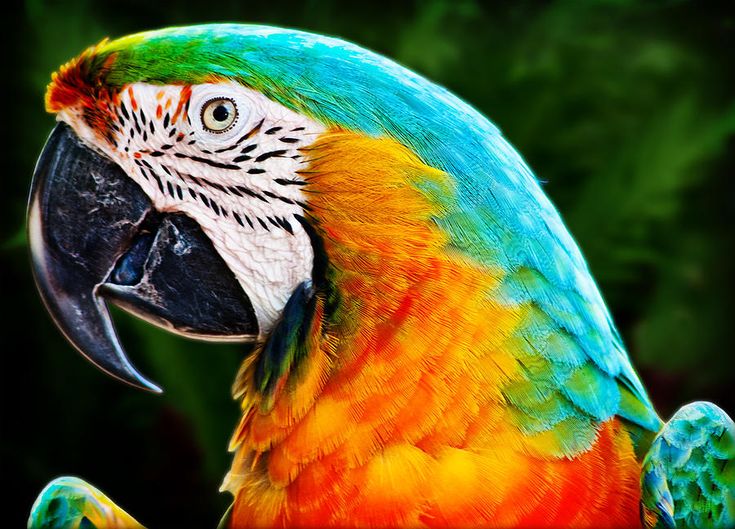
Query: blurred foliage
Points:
[626, 110]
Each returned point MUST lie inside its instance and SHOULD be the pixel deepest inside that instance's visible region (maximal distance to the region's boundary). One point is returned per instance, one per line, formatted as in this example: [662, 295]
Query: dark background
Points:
[625, 110]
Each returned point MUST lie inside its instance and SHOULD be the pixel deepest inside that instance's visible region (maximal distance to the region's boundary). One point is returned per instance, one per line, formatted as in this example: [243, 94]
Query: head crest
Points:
[80, 79]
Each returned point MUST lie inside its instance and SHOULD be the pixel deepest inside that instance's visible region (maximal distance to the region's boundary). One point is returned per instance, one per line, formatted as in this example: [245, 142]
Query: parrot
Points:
[429, 348]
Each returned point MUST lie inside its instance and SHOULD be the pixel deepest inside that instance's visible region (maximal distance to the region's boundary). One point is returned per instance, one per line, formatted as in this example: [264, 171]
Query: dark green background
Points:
[625, 110]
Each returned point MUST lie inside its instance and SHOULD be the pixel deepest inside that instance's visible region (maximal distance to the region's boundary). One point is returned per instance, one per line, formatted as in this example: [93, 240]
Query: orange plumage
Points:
[397, 418]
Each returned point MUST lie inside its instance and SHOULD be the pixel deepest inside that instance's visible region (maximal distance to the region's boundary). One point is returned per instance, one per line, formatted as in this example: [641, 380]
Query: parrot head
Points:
[176, 184]
[173, 188]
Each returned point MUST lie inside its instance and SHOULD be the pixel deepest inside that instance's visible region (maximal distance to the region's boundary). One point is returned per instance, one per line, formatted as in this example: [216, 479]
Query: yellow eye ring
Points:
[219, 115]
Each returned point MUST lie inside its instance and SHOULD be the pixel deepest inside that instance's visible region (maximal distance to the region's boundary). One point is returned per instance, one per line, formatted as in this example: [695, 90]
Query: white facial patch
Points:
[238, 178]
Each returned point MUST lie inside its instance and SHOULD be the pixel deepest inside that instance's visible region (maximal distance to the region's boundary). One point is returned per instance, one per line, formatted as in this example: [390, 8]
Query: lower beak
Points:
[95, 235]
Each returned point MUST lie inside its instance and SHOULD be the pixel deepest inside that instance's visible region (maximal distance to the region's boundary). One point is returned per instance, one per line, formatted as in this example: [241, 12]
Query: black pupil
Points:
[220, 113]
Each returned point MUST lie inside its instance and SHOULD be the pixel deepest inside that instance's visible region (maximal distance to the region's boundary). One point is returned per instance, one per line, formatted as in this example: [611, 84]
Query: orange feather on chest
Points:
[397, 418]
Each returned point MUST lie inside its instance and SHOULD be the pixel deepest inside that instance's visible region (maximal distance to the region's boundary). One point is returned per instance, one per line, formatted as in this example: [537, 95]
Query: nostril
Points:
[130, 267]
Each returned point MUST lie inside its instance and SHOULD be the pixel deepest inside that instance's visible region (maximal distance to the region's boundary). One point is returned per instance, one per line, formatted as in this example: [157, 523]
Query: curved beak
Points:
[95, 236]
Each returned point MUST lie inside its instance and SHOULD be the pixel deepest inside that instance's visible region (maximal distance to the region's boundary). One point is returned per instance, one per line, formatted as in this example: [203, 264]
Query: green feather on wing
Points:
[688, 475]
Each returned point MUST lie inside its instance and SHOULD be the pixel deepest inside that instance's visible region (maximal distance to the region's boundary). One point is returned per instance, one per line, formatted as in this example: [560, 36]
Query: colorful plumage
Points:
[70, 503]
[688, 476]
[432, 350]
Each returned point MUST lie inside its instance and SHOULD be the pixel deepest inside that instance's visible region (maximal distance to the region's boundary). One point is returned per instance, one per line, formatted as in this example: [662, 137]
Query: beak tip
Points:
[152, 388]
[139, 382]
[132, 377]
[104, 350]
[147, 385]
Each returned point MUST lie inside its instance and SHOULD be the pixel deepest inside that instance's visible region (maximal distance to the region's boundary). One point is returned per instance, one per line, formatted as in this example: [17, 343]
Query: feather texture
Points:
[689, 472]
[430, 410]
[71, 503]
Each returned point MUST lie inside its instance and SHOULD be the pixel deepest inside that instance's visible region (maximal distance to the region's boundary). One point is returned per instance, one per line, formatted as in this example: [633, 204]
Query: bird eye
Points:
[218, 115]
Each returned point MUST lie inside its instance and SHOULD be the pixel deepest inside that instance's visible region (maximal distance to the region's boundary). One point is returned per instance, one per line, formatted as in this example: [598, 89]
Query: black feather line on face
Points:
[182, 190]
[319, 271]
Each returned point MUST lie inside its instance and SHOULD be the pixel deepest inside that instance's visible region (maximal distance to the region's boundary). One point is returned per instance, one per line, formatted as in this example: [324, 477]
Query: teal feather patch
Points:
[285, 345]
[688, 478]
[65, 504]
[593, 392]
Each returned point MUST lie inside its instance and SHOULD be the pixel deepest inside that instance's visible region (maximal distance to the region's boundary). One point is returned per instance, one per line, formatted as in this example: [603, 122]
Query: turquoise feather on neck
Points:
[284, 348]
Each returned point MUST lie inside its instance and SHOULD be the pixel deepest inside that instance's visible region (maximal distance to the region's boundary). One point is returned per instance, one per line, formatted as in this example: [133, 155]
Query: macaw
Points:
[430, 347]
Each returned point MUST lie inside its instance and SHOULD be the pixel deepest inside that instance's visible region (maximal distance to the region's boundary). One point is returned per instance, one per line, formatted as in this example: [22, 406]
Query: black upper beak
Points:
[94, 234]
